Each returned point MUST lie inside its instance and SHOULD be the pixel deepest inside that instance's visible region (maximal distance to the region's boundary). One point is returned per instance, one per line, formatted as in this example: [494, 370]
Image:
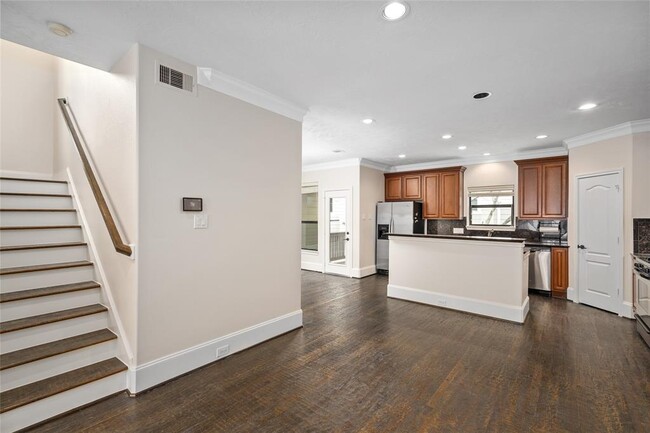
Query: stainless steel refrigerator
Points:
[403, 217]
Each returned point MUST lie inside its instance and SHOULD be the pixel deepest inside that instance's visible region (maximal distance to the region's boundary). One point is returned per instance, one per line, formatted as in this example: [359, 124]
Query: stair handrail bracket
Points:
[120, 245]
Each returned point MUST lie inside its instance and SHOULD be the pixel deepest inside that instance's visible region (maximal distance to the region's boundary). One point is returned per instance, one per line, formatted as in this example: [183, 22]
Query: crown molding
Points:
[231, 86]
[350, 162]
[374, 165]
[545, 153]
[627, 128]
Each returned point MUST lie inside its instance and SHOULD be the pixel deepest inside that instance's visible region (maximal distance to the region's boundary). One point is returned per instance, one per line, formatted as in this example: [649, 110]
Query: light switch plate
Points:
[459, 231]
[200, 221]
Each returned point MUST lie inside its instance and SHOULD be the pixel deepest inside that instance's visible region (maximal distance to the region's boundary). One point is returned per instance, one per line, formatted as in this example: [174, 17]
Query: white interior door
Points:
[338, 232]
[600, 233]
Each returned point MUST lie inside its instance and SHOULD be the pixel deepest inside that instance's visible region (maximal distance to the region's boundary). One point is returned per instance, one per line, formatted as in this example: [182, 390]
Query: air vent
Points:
[174, 78]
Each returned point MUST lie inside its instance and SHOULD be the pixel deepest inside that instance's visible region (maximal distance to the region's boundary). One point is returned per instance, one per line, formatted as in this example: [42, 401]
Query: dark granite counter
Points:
[553, 244]
[643, 257]
[462, 237]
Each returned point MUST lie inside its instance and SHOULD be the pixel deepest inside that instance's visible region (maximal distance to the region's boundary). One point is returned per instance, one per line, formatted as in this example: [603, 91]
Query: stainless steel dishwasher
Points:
[539, 269]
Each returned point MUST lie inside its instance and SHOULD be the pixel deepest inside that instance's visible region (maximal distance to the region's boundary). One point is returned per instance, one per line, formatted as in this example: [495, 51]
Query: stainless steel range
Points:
[642, 295]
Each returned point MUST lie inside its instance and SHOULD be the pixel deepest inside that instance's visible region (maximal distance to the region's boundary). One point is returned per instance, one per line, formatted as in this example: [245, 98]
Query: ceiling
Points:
[415, 77]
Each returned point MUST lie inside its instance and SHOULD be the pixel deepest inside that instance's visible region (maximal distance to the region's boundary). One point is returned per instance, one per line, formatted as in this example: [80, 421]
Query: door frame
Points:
[620, 251]
[326, 231]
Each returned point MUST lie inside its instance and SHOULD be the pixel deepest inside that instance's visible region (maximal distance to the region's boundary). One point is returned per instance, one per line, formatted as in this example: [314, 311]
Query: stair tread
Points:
[44, 319]
[33, 180]
[42, 351]
[46, 267]
[37, 210]
[40, 246]
[35, 391]
[34, 194]
[47, 291]
[66, 226]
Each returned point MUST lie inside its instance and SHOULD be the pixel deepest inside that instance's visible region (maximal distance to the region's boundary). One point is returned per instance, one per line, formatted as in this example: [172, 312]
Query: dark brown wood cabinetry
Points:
[543, 188]
[559, 272]
[441, 191]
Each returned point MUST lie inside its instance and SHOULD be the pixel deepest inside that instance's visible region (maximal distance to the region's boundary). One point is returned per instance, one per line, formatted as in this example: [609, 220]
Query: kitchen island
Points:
[476, 274]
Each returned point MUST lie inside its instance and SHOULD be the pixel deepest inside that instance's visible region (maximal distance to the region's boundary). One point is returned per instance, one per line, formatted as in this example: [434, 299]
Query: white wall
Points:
[28, 81]
[104, 106]
[245, 162]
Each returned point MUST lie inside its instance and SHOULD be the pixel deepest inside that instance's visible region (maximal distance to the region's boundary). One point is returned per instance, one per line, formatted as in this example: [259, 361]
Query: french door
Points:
[338, 225]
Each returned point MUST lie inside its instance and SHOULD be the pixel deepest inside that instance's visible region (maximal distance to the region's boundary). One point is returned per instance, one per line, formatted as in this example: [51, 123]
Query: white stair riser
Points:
[48, 367]
[33, 280]
[45, 236]
[13, 219]
[49, 407]
[16, 340]
[42, 256]
[33, 187]
[49, 304]
[34, 202]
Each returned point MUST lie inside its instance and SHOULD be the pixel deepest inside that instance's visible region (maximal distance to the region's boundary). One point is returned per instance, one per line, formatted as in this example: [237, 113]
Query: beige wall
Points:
[602, 156]
[28, 81]
[245, 162]
[104, 106]
[495, 173]
[641, 175]
[372, 192]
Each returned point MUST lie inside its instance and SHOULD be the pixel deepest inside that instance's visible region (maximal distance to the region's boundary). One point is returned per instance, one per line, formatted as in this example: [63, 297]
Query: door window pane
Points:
[309, 224]
[338, 229]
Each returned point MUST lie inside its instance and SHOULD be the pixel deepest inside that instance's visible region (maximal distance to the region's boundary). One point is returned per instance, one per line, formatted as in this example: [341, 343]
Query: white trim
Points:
[484, 308]
[627, 310]
[544, 153]
[103, 281]
[627, 128]
[168, 367]
[363, 272]
[352, 162]
[26, 174]
[309, 266]
[572, 294]
[239, 89]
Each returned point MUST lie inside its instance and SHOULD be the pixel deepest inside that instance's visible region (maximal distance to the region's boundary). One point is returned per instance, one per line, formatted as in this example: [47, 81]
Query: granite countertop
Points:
[469, 238]
[642, 257]
[555, 244]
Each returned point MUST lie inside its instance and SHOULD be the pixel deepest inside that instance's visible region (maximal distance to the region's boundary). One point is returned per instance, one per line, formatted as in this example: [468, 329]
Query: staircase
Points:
[56, 351]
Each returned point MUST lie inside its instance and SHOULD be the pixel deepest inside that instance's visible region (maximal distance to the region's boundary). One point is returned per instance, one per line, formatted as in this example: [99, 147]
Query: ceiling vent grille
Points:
[174, 78]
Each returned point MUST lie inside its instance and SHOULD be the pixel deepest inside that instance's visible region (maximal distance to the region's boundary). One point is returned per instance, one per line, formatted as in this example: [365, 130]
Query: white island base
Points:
[486, 277]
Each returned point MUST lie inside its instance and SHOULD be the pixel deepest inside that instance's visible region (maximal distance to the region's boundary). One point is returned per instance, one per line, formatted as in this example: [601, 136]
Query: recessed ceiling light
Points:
[401, 156]
[486, 154]
[587, 106]
[540, 137]
[394, 11]
[367, 121]
[446, 136]
[482, 95]
[338, 151]
[462, 147]
[59, 29]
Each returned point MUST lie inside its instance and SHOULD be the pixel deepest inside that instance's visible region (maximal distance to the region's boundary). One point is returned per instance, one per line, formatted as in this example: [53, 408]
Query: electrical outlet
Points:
[459, 231]
[223, 351]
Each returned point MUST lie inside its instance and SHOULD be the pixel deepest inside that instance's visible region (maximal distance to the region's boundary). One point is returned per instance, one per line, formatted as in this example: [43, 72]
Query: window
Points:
[492, 207]
[309, 224]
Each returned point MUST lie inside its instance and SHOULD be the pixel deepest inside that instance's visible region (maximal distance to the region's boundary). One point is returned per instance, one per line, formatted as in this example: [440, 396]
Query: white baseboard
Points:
[627, 310]
[484, 308]
[308, 266]
[168, 367]
[363, 272]
[26, 174]
[572, 294]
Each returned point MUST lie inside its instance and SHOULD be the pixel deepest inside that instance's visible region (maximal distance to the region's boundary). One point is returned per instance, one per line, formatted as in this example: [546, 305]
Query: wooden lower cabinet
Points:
[559, 272]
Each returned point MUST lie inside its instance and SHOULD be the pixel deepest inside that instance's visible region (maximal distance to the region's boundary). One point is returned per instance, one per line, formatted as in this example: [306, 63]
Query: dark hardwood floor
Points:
[365, 363]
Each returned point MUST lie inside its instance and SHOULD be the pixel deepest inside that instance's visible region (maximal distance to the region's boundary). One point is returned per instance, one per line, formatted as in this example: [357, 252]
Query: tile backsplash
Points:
[641, 235]
[527, 229]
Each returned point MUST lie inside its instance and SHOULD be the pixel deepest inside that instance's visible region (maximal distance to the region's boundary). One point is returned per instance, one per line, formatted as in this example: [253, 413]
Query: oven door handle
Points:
[639, 321]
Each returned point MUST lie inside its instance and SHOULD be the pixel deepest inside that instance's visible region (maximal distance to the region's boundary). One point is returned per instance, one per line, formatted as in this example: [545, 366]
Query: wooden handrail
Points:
[118, 243]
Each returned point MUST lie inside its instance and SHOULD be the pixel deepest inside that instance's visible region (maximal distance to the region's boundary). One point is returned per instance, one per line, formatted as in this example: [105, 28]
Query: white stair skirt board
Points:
[49, 304]
[41, 236]
[33, 187]
[16, 340]
[53, 365]
[43, 256]
[363, 272]
[46, 408]
[53, 277]
[484, 308]
[308, 266]
[34, 202]
[38, 218]
[160, 370]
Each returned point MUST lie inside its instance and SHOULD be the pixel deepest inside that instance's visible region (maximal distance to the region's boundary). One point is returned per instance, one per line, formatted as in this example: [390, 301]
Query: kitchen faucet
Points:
[490, 233]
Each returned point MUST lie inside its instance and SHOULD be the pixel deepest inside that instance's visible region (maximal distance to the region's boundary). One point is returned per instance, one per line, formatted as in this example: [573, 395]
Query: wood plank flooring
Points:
[365, 363]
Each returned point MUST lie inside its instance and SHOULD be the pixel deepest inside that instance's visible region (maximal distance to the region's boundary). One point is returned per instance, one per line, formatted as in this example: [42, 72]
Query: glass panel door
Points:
[337, 236]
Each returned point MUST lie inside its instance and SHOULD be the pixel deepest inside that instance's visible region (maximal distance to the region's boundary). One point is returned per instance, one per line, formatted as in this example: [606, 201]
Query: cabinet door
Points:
[394, 188]
[530, 197]
[431, 186]
[450, 195]
[559, 271]
[554, 190]
[412, 187]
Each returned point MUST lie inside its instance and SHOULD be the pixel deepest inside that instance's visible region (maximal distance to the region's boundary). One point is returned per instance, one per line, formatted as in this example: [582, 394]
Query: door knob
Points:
[347, 239]
[582, 247]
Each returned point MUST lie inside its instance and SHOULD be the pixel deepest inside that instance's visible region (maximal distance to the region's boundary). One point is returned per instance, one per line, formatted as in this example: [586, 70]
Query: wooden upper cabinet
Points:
[393, 188]
[451, 195]
[412, 187]
[543, 188]
[559, 271]
[431, 187]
